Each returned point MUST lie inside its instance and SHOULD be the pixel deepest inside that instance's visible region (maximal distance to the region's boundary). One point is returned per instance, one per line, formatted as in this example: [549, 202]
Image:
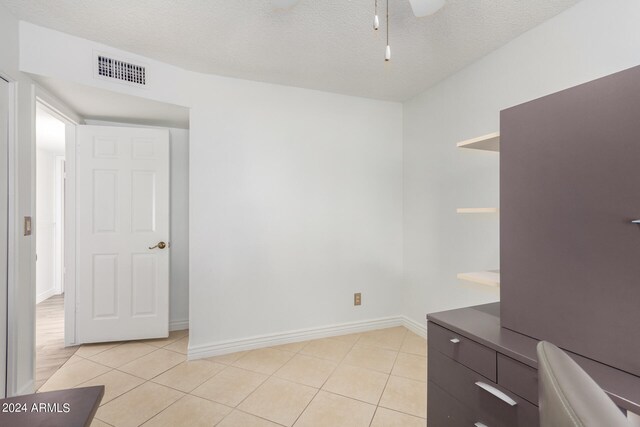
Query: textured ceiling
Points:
[319, 44]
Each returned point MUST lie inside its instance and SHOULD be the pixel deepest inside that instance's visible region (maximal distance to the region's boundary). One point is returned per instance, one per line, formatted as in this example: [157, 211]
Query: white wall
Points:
[593, 39]
[179, 211]
[21, 292]
[296, 203]
[9, 47]
[6, 59]
[295, 195]
[45, 224]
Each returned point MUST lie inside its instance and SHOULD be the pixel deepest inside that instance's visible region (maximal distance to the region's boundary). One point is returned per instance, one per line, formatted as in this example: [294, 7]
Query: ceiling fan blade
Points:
[284, 4]
[425, 7]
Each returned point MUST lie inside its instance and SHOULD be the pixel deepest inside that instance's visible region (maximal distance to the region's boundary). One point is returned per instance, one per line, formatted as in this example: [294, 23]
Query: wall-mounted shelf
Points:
[489, 142]
[477, 210]
[489, 278]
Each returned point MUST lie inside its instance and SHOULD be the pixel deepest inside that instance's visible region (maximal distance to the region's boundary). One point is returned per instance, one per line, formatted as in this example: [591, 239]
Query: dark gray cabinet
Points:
[483, 400]
[483, 374]
[569, 261]
[467, 352]
[569, 190]
[463, 383]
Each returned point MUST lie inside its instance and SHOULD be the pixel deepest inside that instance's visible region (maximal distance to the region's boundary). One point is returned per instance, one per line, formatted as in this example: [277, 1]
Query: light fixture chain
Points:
[387, 53]
[376, 19]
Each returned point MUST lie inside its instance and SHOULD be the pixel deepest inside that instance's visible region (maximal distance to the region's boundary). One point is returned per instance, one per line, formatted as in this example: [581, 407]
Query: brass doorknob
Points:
[160, 245]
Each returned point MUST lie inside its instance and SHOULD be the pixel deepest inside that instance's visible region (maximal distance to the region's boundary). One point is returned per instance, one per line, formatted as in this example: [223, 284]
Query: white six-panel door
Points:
[122, 205]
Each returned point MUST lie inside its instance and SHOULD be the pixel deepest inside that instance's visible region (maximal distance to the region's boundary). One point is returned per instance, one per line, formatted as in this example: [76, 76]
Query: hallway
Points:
[51, 353]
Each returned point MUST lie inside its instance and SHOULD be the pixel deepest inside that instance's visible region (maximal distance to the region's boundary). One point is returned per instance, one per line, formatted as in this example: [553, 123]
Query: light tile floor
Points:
[373, 379]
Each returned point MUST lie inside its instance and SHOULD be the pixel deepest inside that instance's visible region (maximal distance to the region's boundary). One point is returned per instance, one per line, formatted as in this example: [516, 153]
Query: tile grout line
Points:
[111, 425]
[387, 382]
[127, 373]
[325, 381]
[236, 407]
[114, 399]
[186, 392]
[137, 358]
[134, 388]
[410, 379]
[162, 410]
[155, 376]
[253, 415]
[338, 363]
[122, 343]
[293, 382]
[74, 386]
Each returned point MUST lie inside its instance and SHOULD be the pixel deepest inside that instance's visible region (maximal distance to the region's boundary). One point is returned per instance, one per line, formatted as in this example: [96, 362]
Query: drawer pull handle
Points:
[497, 393]
[480, 425]
[454, 340]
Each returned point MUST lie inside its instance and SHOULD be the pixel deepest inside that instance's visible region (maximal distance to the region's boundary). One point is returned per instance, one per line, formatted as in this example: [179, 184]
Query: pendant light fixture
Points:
[387, 53]
[426, 7]
[376, 19]
[420, 8]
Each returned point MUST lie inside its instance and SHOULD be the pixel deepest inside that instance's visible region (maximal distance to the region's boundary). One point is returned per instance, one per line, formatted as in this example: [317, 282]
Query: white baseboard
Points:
[45, 295]
[269, 340]
[415, 327]
[178, 325]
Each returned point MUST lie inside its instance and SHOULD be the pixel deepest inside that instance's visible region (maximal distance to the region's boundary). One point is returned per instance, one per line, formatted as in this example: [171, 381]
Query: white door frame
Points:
[58, 253]
[11, 386]
[4, 282]
[14, 218]
[19, 116]
[59, 111]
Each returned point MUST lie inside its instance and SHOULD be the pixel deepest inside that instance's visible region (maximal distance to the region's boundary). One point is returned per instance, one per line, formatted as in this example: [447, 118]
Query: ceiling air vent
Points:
[120, 70]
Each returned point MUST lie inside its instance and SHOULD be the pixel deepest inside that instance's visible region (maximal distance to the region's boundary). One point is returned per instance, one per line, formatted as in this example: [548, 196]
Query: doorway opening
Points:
[126, 131]
[49, 230]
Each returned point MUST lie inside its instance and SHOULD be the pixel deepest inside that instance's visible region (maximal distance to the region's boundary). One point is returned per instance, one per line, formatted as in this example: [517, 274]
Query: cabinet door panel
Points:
[569, 190]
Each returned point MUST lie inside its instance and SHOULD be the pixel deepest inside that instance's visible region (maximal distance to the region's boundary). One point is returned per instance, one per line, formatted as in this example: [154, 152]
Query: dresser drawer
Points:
[463, 350]
[490, 403]
[445, 411]
[518, 378]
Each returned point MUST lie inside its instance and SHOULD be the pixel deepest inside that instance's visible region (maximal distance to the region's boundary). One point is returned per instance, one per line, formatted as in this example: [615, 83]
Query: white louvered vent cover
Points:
[121, 70]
